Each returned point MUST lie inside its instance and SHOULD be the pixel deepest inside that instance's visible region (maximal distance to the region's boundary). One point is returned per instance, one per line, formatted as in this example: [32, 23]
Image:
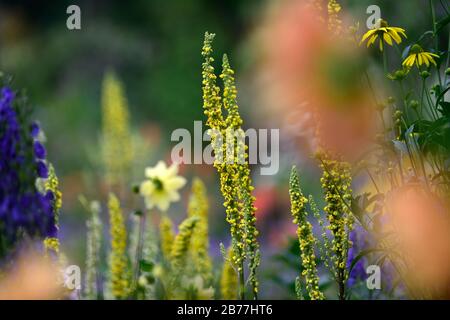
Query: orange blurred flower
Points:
[34, 277]
[421, 224]
[316, 77]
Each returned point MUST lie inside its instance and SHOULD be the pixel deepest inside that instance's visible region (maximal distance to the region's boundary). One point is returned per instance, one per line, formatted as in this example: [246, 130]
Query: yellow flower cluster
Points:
[117, 144]
[305, 237]
[51, 244]
[334, 21]
[182, 242]
[228, 280]
[167, 235]
[118, 261]
[198, 206]
[52, 184]
[235, 182]
[336, 183]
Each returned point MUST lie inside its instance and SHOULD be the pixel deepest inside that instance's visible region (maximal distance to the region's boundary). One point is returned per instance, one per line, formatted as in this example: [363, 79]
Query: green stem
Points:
[436, 40]
[139, 249]
[385, 62]
[242, 282]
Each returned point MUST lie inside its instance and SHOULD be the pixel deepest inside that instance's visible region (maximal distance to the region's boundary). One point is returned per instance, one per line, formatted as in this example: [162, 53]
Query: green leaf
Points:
[442, 23]
[146, 266]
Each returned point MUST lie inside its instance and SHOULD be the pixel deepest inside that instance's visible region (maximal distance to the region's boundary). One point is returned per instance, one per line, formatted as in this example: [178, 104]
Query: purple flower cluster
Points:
[24, 211]
[361, 240]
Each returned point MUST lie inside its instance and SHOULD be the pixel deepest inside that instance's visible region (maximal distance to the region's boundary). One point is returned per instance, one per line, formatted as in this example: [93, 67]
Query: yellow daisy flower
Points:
[385, 34]
[419, 57]
[161, 187]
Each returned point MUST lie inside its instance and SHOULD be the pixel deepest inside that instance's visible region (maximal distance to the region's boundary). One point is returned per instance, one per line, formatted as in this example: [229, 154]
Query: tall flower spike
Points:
[117, 143]
[167, 236]
[336, 183]
[242, 178]
[93, 243]
[198, 206]
[182, 243]
[305, 237]
[118, 262]
[211, 92]
[235, 183]
[26, 211]
[228, 279]
[212, 105]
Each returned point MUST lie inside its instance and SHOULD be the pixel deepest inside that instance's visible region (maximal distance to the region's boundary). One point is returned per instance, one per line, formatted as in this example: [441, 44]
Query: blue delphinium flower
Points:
[361, 240]
[25, 212]
[39, 150]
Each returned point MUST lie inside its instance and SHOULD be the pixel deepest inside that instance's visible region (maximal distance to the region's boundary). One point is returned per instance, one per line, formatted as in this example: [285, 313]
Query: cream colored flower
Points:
[161, 186]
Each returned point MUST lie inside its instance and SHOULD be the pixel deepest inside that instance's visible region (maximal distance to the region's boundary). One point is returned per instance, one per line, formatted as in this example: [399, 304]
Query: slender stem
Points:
[242, 282]
[436, 40]
[385, 62]
[140, 245]
[373, 180]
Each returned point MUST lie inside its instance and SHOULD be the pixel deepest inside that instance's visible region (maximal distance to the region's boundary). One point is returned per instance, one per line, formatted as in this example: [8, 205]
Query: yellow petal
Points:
[387, 38]
[381, 44]
[395, 36]
[429, 57]
[372, 40]
[426, 59]
[399, 30]
[409, 61]
[367, 35]
[419, 60]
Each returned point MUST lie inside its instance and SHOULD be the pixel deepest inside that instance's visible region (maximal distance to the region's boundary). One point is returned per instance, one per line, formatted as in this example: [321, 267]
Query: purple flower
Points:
[24, 211]
[361, 240]
[34, 130]
[42, 170]
[39, 150]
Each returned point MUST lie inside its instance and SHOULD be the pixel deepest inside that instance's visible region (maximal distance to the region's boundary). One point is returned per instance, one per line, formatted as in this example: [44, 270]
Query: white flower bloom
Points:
[161, 186]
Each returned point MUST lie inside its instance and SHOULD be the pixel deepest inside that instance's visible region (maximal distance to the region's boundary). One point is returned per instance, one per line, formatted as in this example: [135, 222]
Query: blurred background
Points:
[154, 48]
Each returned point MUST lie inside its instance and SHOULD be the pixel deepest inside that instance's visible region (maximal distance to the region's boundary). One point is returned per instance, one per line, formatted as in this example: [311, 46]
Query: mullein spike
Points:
[167, 236]
[119, 272]
[198, 206]
[336, 183]
[305, 236]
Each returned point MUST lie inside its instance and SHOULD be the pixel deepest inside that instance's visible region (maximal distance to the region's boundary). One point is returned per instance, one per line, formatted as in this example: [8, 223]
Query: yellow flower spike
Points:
[383, 33]
[228, 279]
[231, 162]
[182, 243]
[305, 237]
[167, 236]
[117, 144]
[336, 184]
[417, 56]
[198, 206]
[118, 261]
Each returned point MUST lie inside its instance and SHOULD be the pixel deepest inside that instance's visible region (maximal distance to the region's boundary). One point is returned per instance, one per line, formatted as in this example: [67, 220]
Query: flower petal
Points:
[387, 38]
